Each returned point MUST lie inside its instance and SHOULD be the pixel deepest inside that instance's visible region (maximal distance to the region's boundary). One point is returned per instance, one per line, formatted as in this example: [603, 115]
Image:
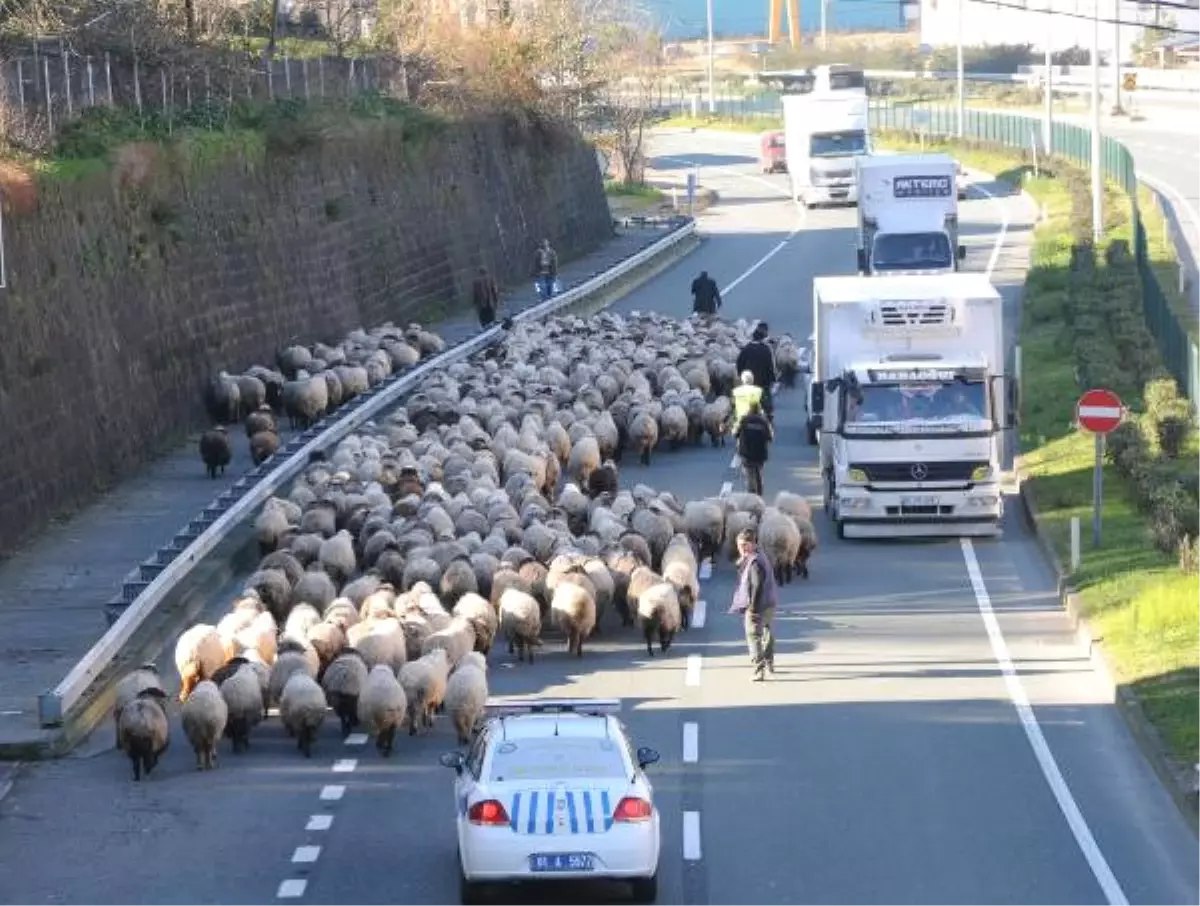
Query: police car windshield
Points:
[911, 251]
[952, 401]
[556, 758]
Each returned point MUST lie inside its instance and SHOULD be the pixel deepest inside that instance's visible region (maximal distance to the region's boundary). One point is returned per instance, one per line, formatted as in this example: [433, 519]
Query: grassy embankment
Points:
[1082, 325]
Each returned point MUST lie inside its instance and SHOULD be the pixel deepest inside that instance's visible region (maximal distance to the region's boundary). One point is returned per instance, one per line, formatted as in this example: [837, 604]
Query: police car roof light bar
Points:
[589, 706]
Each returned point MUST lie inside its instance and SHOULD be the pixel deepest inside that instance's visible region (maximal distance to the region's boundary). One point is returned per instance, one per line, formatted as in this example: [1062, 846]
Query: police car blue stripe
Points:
[516, 811]
[608, 821]
[550, 812]
[587, 810]
[571, 812]
[533, 804]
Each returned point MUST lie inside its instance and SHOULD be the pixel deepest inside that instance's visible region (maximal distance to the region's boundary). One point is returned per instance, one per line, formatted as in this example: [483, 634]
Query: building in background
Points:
[1069, 23]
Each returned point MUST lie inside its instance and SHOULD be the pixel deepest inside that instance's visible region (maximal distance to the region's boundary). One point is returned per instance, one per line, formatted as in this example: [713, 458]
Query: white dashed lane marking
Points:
[356, 739]
[333, 792]
[691, 836]
[691, 742]
[319, 823]
[291, 888]
[699, 614]
[305, 854]
[345, 765]
[691, 676]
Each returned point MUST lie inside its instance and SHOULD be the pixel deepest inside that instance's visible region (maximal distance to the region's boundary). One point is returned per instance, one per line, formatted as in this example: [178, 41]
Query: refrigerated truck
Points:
[823, 134]
[907, 399]
[908, 214]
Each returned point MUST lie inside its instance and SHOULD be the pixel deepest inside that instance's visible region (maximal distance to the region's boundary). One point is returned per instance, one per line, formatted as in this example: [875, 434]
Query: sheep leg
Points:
[188, 684]
[664, 639]
[686, 614]
[384, 740]
[136, 758]
[649, 633]
[413, 720]
[645, 456]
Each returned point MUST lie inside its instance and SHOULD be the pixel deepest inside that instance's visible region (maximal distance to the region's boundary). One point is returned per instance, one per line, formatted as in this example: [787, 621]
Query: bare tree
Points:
[635, 75]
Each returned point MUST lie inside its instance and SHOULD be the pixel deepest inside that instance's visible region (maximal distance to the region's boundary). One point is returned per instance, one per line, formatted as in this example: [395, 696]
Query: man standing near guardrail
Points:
[545, 269]
[486, 298]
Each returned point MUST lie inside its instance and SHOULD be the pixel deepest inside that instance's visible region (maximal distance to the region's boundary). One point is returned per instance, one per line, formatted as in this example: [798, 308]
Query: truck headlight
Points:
[983, 473]
[856, 475]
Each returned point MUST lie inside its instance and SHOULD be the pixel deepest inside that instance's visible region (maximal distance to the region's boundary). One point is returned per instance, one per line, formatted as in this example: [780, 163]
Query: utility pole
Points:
[712, 97]
[1097, 181]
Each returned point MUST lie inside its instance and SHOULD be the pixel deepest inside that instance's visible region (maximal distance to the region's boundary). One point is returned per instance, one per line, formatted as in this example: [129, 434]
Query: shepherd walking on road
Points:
[756, 598]
[706, 296]
[545, 269]
[758, 358]
[754, 435]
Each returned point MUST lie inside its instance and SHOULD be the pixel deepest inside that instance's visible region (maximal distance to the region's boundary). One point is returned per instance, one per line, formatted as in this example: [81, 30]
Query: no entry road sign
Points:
[1099, 411]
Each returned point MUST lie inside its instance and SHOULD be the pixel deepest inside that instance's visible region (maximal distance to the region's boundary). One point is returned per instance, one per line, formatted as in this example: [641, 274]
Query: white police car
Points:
[554, 789]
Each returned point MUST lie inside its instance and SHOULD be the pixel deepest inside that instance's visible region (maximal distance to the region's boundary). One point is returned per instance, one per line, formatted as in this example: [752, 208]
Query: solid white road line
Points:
[345, 765]
[998, 245]
[691, 742]
[332, 793]
[735, 462]
[319, 823]
[691, 676]
[699, 614]
[1033, 732]
[291, 888]
[691, 836]
[356, 739]
[304, 854]
[704, 570]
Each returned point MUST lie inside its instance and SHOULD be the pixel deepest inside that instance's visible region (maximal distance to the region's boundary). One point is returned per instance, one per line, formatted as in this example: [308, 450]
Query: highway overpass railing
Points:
[1074, 144]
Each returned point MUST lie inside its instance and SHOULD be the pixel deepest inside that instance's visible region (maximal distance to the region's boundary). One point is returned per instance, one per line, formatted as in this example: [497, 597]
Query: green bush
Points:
[1173, 516]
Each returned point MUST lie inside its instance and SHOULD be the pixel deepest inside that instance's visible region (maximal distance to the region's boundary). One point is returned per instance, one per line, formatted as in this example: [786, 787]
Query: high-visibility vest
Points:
[743, 396]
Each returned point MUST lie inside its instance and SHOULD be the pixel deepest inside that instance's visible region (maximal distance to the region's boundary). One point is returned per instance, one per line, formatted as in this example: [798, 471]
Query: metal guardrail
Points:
[146, 587]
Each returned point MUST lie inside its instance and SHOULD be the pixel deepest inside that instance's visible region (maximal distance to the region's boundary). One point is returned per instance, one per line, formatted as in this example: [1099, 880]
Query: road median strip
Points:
[1136, 598]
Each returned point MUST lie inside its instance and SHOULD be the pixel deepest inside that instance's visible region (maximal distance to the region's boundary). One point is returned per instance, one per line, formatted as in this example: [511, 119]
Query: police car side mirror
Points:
[646, 756]
[454, 760]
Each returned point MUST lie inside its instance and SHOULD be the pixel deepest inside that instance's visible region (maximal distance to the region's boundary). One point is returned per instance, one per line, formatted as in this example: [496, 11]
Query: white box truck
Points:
[908, 214]
[908, 401]
[823, 134]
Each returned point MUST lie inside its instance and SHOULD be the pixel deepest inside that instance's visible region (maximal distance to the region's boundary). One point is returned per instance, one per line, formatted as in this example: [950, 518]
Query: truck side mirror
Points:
[962, 252]
[862, 261]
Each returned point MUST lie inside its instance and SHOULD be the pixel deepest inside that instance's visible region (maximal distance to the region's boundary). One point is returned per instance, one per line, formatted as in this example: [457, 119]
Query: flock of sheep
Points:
[309, 383]
[488, 504]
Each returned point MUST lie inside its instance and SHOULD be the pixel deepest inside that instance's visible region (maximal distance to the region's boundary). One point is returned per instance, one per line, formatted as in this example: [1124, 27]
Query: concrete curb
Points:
[236, 553]
[1177, 779]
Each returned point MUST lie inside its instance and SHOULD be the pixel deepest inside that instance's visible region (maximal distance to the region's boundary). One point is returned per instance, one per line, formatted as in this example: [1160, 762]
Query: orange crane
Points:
[775, 20]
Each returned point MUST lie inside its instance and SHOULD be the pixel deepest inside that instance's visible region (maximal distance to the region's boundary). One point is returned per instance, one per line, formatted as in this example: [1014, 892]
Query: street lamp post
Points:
[712, 97]
[1097, 182]
[961, 99]
[1048, 86]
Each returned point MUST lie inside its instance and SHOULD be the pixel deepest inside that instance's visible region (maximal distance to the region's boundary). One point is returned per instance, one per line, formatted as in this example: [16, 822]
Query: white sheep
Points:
[343, 683]
[466, 698]
[779, 538]
[244, 701]
[132, 685]
[382, 707]
[292, 658]
[198, 655]
[573, 609]
[483, 619]
[302, 710]
[659, 613]
[715, 420]
[679, 567]
[204, 717]
[520, 621]
[456, 639]
[143, 731]
[380, 641]
[424, 681]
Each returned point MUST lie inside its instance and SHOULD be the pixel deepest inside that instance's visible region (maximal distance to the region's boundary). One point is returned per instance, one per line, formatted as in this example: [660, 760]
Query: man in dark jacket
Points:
[754, 436]
[705, 295]
[757, 358]
[756, 598]
[486, 297]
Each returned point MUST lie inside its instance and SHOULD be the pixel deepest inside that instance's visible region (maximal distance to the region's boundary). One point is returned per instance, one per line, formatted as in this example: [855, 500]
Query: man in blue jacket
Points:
[756, 597]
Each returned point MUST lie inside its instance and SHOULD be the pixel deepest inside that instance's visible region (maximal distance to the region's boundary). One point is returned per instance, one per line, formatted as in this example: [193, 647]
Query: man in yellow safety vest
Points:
[743, 396]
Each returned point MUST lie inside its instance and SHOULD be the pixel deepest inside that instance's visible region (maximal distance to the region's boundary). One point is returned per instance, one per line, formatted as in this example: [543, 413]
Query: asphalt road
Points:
[884, 762]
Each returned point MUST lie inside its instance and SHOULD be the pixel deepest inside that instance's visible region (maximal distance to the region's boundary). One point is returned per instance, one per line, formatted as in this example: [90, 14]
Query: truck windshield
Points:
[838, 144]
[911, 251]
[950, 402]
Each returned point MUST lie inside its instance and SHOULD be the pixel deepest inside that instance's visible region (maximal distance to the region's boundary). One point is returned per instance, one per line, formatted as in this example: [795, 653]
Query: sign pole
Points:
[1098, 411]
[1097, 490]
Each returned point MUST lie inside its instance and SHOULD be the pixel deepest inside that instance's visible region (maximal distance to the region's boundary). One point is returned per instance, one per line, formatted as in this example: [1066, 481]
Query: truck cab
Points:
[772, 157]
[908, 214]
[907, 401]
[824, 134]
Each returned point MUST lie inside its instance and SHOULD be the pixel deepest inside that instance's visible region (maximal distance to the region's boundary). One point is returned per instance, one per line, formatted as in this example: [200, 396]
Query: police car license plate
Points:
[561, 862]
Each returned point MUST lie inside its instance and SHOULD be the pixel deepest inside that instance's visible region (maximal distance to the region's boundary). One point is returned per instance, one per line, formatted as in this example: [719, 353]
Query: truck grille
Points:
[837, 174]
[918, 471]
[910, 313]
